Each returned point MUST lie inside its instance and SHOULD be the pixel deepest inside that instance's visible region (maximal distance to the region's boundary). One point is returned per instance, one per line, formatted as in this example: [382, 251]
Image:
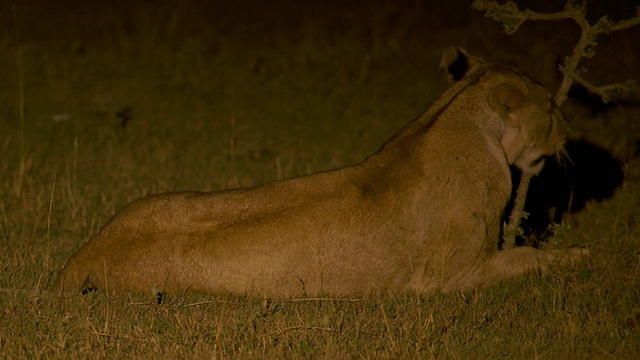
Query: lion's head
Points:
[533, 126]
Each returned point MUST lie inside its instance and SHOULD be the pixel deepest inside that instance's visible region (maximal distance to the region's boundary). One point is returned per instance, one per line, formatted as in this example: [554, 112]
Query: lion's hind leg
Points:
[509, 264]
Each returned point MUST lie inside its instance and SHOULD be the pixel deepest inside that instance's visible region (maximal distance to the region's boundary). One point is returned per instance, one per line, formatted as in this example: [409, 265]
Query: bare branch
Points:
[508, 14]
[511, 18]
[510, 231]
[624, 24]
[607, 92]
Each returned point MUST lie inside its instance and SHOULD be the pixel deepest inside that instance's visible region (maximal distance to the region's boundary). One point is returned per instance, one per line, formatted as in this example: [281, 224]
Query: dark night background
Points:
[133, 57]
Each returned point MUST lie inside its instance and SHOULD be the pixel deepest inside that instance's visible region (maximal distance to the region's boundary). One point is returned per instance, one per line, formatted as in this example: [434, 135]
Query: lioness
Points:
[423, 214]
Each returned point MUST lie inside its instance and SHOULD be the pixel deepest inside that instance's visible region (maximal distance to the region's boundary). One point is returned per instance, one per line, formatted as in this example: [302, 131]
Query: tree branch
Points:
[511, 18]
[605, 92]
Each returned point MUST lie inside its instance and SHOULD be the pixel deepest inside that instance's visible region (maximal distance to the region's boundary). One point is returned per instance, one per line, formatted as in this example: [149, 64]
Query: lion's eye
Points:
[537, 161]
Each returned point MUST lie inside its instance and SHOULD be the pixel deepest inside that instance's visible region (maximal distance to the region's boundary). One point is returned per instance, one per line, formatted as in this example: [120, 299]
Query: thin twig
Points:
[510, 232]
[606, 92]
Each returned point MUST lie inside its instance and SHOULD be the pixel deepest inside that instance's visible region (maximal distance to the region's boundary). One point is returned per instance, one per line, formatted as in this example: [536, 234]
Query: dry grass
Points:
[105, 103]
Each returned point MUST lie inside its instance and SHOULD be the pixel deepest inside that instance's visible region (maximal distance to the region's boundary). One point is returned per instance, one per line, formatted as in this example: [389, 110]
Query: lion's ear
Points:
[505, 100]
[456, 62]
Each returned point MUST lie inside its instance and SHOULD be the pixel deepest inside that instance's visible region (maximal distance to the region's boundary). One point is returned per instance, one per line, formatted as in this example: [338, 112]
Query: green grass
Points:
[223, 98]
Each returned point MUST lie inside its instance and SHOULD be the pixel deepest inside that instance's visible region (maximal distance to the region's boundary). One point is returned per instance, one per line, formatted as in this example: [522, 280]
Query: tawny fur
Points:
[421, 215]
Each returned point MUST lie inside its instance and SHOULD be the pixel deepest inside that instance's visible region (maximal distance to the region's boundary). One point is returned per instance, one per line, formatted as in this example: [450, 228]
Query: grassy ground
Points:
[104, 103]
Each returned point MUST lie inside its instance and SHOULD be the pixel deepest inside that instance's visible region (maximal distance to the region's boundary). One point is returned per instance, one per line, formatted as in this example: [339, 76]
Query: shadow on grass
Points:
[590, 173]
